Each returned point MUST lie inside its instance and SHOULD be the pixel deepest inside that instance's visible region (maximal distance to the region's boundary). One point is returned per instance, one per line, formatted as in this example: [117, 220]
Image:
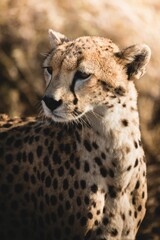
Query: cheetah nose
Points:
[51, 103]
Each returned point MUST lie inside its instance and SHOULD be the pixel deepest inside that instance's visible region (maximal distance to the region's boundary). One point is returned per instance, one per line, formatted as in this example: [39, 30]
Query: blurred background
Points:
[23, 41]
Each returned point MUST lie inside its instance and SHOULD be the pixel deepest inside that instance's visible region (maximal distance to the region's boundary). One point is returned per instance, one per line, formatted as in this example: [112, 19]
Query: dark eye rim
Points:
[81, 75]
[49, 69]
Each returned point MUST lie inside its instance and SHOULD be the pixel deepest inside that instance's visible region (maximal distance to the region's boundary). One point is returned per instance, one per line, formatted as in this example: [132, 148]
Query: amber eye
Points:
[81, 75]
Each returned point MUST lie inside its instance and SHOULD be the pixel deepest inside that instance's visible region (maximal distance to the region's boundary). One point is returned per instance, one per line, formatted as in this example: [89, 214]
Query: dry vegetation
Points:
[23, 37]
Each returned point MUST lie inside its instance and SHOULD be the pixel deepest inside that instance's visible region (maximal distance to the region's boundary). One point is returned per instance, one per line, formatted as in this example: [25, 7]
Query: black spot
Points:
[71, 193]
[86, 166]
[125, 122]
[135, 214]
[46, 161]
[46, 131]
[67, 164]
[65, 184]
[10, 177]
[137, 184]
[139, 208]
[26, 176]
[103, 155]
[90, 215]
[61, 171]
[55, 184]
[96, 222]
[136, 163]
[10, 140]
[56, 158]
[68, 205]
[67, 148]
[15, 169]
[94, 188]
[9, 158]
[30, 157]
[83, 221]
[75, 101]
[123, 217]
[98, 161]
[112, 191]
[77, 136]
[77, 163]
[18, 143]
[140, 143]
[31, 140]
[47, 199]
[143, 194]
[71, 172]
[78, 201]
[114, 232]
[135, 144]
[18, 188]
[53, 200]
[129, 168]
[83, 184]
[98, 231]
[36, 138]
[111, 173]
[105, 221]
[103, 172]
[19, 156]
[94, 144]
[33, 179]
[120, 91]
[76, 184]
[39, 151]
[86, 200]
[133, 201]
[87, 146]
[48, 181]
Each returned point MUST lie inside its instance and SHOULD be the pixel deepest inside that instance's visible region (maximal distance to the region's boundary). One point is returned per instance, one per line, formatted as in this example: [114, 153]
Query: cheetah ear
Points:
[56, 38]
[135, 59]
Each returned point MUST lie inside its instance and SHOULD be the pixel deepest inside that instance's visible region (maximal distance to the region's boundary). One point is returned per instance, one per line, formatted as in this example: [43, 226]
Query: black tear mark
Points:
[120, 91]
[75, 100]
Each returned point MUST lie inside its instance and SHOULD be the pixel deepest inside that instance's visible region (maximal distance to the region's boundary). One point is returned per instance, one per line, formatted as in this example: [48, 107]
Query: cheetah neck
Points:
[119, 125]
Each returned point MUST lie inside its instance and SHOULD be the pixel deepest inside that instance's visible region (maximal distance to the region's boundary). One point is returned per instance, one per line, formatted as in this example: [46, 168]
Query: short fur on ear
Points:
[56, 38]
[135, 59]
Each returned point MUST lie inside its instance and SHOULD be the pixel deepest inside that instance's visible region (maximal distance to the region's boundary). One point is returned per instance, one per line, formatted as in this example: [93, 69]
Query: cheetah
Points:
[79, 172]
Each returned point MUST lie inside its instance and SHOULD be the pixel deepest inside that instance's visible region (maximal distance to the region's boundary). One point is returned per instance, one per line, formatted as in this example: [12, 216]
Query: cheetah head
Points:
[87, 73]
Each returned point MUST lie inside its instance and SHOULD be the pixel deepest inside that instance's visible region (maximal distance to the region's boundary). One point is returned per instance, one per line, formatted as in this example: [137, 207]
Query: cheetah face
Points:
[87, 73]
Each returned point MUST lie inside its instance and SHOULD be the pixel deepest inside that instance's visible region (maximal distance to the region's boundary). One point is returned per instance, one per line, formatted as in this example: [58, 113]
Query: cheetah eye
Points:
[81, 75]
[47, 73]
[49, 70]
